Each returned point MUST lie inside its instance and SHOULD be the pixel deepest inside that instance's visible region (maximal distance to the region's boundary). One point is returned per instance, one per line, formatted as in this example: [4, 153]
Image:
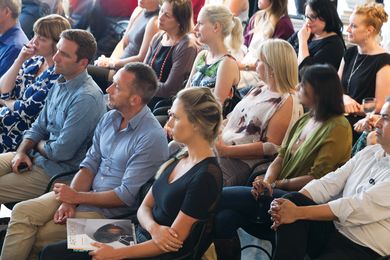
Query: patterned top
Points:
[248, 122]
[206, 74]
[30, 93]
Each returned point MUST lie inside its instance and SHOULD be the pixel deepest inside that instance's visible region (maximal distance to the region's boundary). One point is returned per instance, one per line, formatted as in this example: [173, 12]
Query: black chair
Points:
[259, 168]
[140, 197]
[160, 110]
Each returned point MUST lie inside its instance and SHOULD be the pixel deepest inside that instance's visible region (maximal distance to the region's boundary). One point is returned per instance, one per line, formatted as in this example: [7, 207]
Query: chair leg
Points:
[228, 249]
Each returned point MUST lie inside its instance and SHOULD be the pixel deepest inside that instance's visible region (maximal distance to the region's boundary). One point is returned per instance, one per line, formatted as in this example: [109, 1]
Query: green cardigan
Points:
[323, 151]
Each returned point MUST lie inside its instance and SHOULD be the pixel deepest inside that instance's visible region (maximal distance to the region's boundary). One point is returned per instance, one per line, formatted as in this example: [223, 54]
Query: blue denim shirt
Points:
[124, 160]
[67, 122]
[11, 42]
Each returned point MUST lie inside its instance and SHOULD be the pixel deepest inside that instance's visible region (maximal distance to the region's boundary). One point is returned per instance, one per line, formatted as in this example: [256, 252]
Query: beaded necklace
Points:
[165, 59]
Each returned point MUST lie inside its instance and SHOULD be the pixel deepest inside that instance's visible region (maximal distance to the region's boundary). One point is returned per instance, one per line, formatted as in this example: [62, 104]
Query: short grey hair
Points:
[14, 5]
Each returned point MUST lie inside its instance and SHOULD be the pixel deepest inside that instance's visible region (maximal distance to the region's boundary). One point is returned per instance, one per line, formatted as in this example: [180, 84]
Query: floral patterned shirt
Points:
[29, 93]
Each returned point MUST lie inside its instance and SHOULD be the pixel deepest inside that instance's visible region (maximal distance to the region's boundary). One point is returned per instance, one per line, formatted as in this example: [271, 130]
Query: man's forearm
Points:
[82, 181]
[26, 146]
[316, 212]
[40, 148]
[104, 199]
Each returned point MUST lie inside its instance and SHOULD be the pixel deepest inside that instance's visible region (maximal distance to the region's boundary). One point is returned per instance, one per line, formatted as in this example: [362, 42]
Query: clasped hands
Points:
[259, 186]
[282, 211]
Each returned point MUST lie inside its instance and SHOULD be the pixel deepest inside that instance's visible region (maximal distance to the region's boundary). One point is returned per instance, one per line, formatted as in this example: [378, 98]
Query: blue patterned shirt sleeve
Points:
[30, 101]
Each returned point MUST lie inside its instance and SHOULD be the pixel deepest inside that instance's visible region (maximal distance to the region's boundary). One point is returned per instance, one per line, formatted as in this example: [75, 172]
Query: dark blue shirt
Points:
[11, 42]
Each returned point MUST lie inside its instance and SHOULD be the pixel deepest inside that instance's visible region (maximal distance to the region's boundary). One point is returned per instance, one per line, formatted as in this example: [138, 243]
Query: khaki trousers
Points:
[32, 227]
[18, 187]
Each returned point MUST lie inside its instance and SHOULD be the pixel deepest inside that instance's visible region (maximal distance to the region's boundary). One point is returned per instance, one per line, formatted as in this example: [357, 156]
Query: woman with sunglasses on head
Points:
[24, 87]
[320, 39]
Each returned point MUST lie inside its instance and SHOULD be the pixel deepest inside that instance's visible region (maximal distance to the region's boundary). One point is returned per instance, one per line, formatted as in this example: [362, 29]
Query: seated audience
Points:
[172, 52]
[239, 8]
[186, 191]
[59, 138]
[25, 85]
[215, 67]
[101, 17]
[271, 21]
[32, 10]
[365, 69]
[257, 126]
[128, 147]
[12, 36]
[320, 39]
[345, 214]
[133, 46]
[319, 142]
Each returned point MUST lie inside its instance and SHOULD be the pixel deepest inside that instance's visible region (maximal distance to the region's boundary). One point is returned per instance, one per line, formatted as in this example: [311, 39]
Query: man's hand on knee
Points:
[64, 212]
[20, 159]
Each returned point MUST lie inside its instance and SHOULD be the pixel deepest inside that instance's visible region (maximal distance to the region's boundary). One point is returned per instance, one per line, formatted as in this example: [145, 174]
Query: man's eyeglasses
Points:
[311, 18]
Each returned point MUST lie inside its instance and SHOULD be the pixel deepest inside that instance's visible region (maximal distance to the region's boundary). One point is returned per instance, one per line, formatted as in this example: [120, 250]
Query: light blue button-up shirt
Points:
[124, 160]
[67, 122]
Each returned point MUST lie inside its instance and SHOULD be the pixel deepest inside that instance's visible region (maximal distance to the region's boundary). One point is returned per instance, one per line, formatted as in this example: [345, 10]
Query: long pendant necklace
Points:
[353, 70]
[165, 59]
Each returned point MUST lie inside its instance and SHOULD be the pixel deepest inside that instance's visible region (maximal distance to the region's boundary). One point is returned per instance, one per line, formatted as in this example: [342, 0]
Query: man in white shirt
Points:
[344, 215]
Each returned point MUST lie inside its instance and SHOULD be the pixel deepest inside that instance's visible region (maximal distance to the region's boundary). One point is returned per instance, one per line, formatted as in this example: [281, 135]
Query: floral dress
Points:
[29, 93]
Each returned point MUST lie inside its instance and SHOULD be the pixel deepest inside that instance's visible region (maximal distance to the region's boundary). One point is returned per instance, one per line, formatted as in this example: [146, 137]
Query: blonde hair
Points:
[231, 26]
[266, 20]
[202, 109]
[374, 14]
[280, 58]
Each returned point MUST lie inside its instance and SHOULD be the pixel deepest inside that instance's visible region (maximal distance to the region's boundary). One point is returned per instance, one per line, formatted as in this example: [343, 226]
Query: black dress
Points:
[362, 83]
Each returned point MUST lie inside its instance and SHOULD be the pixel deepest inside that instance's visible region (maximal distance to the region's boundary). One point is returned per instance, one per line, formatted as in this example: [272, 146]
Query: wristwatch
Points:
[246, 67]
